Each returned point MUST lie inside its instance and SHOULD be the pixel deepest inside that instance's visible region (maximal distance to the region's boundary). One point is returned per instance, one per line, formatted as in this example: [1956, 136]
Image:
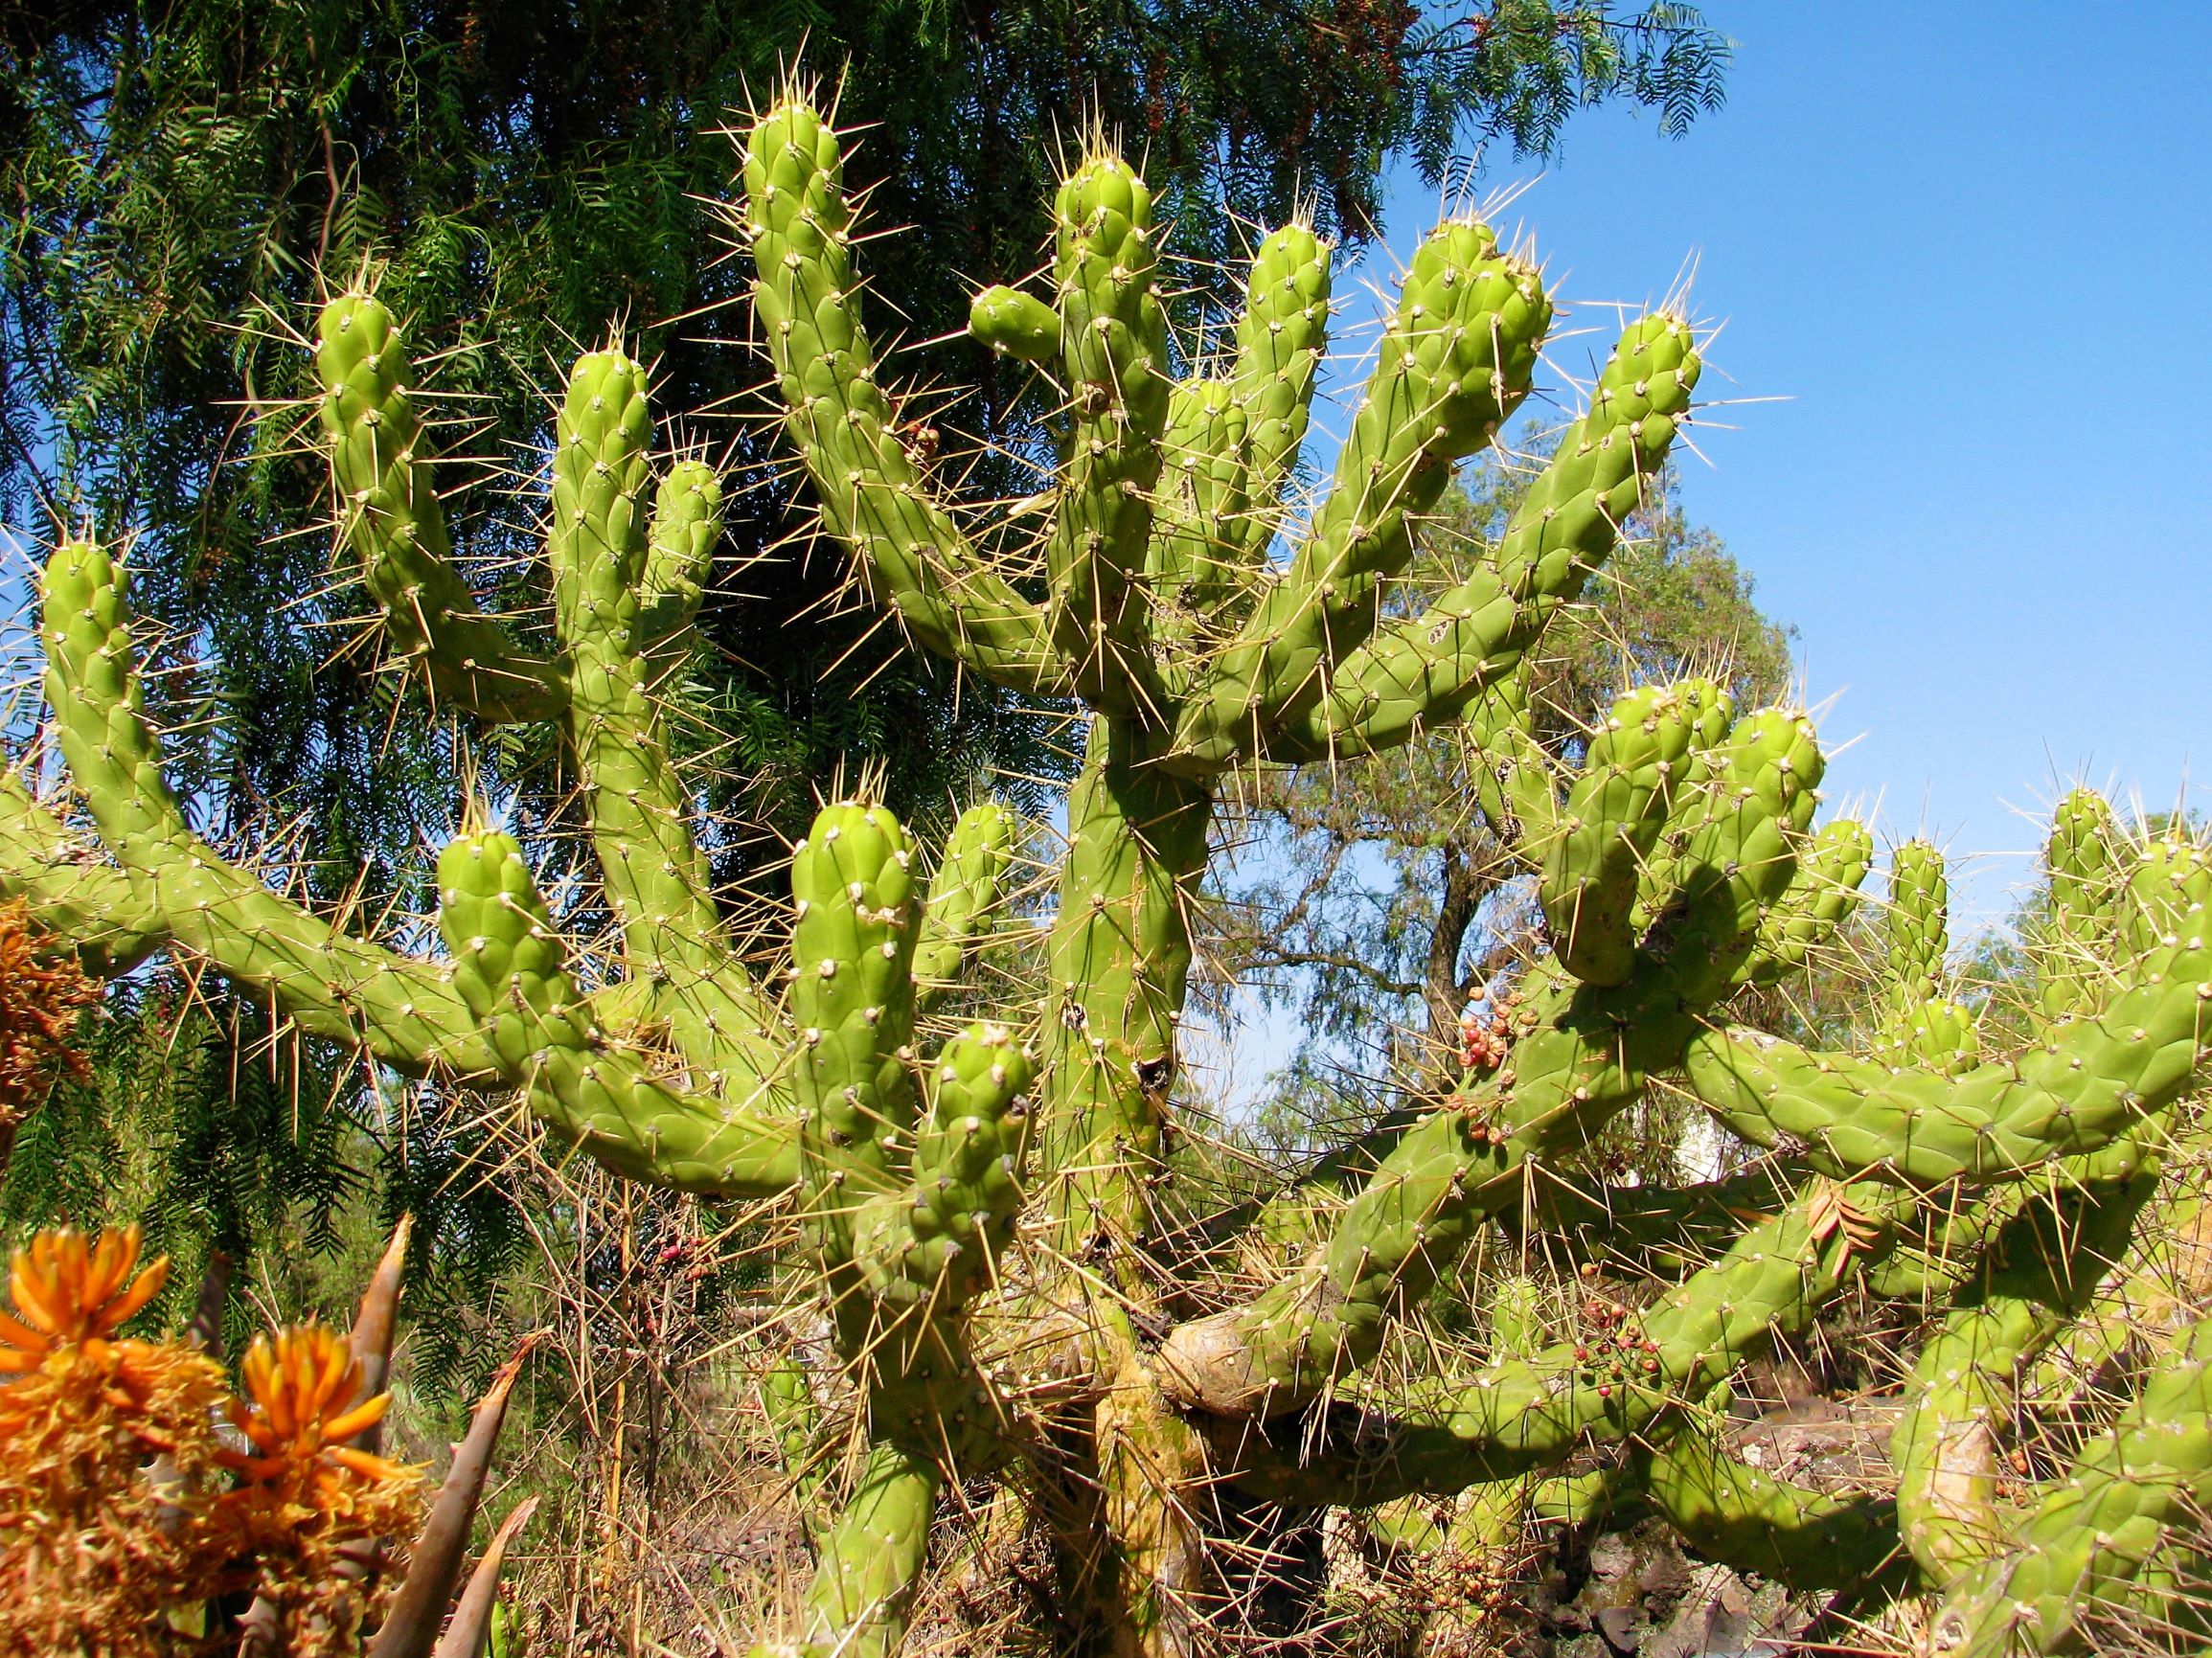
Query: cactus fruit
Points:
[992, 1213]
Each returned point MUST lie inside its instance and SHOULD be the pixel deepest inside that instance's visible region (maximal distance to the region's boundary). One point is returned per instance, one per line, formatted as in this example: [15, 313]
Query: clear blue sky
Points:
[1972, 248]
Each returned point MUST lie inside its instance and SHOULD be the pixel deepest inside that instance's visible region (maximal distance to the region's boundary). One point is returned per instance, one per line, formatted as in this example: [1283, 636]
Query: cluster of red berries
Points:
[1615, 1351]
[1486, 1030]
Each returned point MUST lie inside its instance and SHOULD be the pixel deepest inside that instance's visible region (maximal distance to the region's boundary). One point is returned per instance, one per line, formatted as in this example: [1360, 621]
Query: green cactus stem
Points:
[391, 519]
[2087, 887]
[872, 1558]
[1580, 1053]
[1280, 338]
[1612, 818]
[1425, 672]
[2041, 1272]
[1611, 1382]
[874, 496]
[2093, 1532]
[963, 896]
[1825, 892]
[1745, 1517]
[86, 909]
[509, 969]
[2088, 1085]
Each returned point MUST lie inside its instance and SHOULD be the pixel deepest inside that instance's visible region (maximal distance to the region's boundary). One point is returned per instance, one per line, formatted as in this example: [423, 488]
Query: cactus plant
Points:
[992, 1217]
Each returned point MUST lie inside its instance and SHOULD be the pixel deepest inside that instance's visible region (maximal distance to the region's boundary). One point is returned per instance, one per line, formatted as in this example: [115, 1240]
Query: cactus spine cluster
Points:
[985, 1215]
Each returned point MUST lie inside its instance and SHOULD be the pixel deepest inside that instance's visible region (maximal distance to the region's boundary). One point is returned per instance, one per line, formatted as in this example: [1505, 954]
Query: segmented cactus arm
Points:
[2090, 1536]
[873, 1556]
[873, 495]
[963, 896]
[1579, 1054]
[509, 966]
[328, 982]
[1280, 339]
[90, 909]
[2085, 1087]
[606, 560]
[2038, 1273]
[390, 514]
[622, 587]
[408, 1013]
[1423, 673]
[1454, 361]
[2085, 893]
[1611, 1382]
[1113, 353]
[1749, 1519]
[1824, 894]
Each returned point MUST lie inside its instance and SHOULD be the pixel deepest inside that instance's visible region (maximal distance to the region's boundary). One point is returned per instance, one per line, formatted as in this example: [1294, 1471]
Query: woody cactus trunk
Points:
[991, 1218]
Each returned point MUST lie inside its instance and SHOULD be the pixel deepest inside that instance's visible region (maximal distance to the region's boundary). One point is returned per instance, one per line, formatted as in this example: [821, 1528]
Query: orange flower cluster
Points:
[39, 1003]
[128, 1512]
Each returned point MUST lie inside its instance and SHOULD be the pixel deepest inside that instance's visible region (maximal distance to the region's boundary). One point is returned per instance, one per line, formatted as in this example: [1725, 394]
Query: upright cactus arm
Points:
[409, 1014]
[2042, 1273]
[870, 1560]
[1231, 444]
[1919, 925]
[391, 516]
[329, 983]
[1454, 362]
[2167, 891]
[687, 521]
[1921, 1023]
[2086, 1084]
[1201, 509]
[1280, 338]
[1114, 351]
[2087, 887]
[1580, 1053]
[602, 549]
[1425, 672]
[509, 969]
[935, 1244]
[1613, 816]
[873, 495]
[609, 567]
[2095, 1531]
[87, 908]
[853, 885]
[1829, 874]
[963, 896]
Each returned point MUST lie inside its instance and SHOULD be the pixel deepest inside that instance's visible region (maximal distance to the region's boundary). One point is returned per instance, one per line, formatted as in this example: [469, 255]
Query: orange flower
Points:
[39, 1004]
[307, 1503]
[71, 1297]
[98, 1539]
[302, 1405]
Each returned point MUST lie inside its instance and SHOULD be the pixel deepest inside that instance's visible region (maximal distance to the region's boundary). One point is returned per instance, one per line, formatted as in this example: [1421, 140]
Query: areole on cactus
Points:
[985, 1208]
